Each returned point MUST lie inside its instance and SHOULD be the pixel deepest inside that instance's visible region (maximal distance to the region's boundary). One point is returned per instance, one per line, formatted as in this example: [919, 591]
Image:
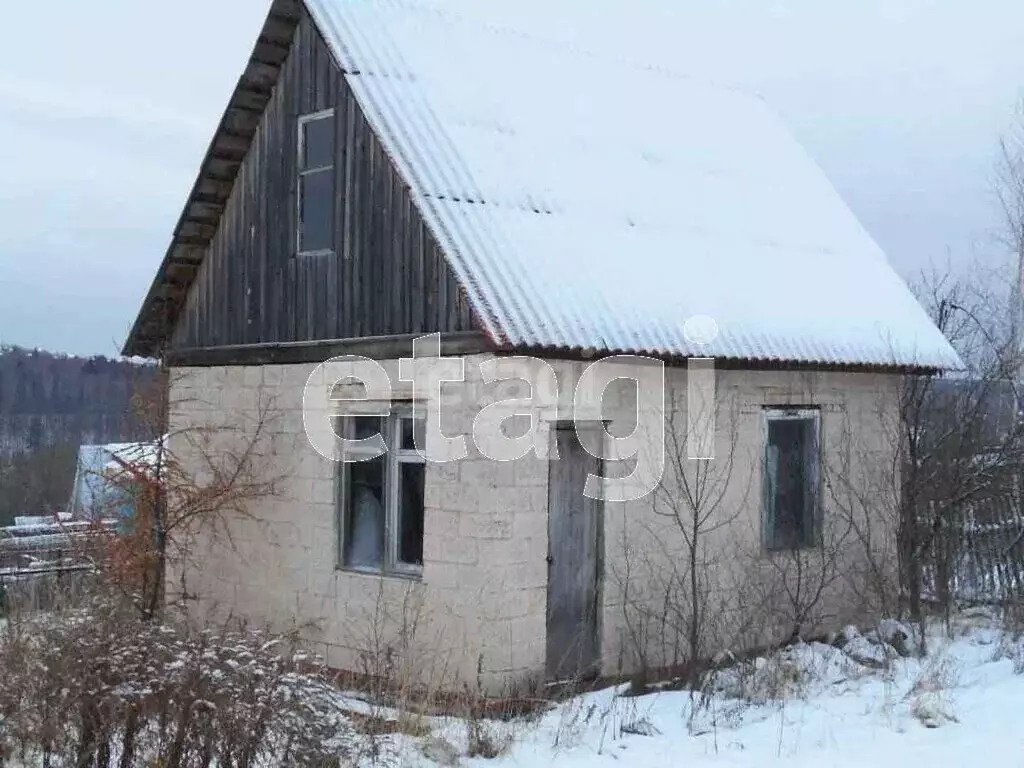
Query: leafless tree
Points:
[960, 437]
[804, 577]
[699, 500]
[196, 480]
[673, 573]
[861, 488]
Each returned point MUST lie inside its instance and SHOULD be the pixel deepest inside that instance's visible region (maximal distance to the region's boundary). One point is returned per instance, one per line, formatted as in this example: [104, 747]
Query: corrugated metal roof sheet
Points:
[588, 202]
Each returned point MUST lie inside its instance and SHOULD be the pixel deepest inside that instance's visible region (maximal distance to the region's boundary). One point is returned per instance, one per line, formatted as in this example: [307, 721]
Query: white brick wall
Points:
[479, 612]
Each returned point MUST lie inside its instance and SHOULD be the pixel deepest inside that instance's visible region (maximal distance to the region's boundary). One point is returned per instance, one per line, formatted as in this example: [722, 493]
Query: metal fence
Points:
[46, 560]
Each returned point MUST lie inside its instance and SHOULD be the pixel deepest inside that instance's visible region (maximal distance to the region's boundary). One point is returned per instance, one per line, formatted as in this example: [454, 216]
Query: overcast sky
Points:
[107, 107]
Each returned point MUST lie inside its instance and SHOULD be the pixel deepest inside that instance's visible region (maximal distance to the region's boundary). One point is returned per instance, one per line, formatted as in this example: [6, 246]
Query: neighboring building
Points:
[388, 170]
[102, 489]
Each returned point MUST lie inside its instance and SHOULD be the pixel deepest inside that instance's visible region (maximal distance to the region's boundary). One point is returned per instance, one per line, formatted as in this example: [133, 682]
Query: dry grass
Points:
[86, 684]
[931, 700]
[933, 709]
[1011, 641]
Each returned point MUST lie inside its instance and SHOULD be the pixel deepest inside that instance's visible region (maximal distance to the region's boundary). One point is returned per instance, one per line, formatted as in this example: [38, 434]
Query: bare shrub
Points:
[675, 565]
[405, 675]
[862, 491]
[930, 696]
[400, 674]
[933, 709]
[575, 716]
[390, 651]
[1011, 638]
[197, 481]
[1011, 648]
[961, 441]
[804, 579]
[630, 715]
[698, 498]
[486, 736]
[1012, 619]
[711, 706]
[99, 687]
[761, 680]
[482, 741]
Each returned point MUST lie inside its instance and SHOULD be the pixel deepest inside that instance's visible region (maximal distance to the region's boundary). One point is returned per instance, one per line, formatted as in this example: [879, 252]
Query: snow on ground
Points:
[959, 706]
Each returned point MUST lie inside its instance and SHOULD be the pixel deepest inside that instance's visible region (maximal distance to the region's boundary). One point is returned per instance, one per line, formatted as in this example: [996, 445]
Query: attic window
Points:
[316, 183]
[791, 478]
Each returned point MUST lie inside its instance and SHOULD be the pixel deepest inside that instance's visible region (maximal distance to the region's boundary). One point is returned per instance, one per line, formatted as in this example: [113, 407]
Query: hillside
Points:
[49, 405]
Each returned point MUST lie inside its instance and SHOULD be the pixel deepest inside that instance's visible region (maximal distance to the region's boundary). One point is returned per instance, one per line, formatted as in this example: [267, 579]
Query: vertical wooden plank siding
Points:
[386, 274]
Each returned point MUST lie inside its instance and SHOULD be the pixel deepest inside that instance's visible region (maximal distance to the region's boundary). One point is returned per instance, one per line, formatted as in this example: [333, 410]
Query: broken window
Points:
[316, 183]
[791, 479]
[380, 497]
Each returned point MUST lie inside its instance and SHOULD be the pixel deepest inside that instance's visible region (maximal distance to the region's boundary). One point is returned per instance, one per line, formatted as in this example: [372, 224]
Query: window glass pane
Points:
[789, 497]
[316, 211]
[366, 426]
[812, 471]
[318, 143]
[364, 513]
[410, 512]
[771, 468]
[414, 434]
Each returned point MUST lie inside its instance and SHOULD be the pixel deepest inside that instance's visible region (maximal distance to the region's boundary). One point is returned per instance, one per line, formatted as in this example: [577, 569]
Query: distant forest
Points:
[50, 405]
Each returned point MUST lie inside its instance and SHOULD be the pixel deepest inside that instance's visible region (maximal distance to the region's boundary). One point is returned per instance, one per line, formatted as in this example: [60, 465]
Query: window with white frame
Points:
[316, 183]
[791, 478]
[380, 497]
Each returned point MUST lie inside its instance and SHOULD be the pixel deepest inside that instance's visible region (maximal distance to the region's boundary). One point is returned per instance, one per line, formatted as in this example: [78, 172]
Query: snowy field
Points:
[812, 705]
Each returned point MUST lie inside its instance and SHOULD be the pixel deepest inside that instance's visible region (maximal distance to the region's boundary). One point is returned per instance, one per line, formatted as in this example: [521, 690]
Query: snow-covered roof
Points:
[28, 522]
[98, 465]
[133, 454]
[586, 200]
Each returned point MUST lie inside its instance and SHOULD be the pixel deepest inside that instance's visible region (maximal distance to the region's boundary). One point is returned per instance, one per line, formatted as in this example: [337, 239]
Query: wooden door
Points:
[574, 562]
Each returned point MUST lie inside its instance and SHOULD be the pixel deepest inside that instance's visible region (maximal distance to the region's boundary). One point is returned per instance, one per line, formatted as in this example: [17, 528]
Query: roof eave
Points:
[730, 363]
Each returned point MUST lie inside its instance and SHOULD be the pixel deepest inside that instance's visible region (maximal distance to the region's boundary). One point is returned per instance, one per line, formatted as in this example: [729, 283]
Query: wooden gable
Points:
[233, 276]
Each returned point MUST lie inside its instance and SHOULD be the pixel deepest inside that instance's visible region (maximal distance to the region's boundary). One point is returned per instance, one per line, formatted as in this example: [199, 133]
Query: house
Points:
[388, 171]
[102, 489]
